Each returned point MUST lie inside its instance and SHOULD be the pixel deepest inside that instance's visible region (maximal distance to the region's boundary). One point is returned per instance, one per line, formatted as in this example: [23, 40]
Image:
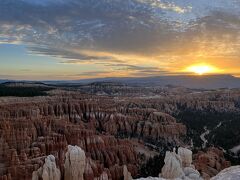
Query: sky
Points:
[78, 39]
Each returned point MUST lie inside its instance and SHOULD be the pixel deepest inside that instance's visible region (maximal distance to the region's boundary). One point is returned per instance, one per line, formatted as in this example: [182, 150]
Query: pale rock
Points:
[75, 161]
[173, 166]
[231, 173]
[174, 169]
[193, 176]
[127, 175]
[188, 171]
[159, 178]
[186, 156]
[49, 171]
[36, 175]
[104, 176]
[151, 178]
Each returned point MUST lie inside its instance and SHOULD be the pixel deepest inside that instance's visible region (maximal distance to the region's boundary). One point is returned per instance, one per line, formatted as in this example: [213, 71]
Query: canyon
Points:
[33, 128]
[118, 133]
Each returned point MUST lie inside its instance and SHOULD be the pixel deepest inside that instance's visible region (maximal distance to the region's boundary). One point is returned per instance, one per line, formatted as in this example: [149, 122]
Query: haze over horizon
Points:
[79, 39]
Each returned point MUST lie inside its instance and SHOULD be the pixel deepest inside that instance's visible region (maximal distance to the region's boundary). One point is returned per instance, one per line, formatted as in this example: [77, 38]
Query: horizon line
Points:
[98, 78]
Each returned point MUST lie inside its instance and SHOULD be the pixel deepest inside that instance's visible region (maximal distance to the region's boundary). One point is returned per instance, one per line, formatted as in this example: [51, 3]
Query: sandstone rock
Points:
[49, 171]
[186, 156]
[211, 162]
[104, 176]
[33, 128]
[173, 166]
[189, 170]
[74, 163]
[127, 175]
[88, 173]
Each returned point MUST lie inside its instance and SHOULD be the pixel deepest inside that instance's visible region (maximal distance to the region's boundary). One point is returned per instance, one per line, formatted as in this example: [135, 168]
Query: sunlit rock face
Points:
[49, 171]
[75, 160]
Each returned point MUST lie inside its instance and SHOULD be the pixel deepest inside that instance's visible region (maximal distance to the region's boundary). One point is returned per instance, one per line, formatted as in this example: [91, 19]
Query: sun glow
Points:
[202, 69]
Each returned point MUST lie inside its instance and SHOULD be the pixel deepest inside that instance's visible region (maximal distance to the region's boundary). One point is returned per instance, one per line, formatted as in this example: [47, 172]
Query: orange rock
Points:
[211, 162]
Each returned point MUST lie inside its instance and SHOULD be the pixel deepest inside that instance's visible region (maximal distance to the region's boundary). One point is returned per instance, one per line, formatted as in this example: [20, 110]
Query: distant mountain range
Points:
[193, 82]
[4, 81]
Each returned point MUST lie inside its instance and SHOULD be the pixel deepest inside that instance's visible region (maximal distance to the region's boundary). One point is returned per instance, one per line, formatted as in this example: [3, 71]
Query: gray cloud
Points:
[58, 28]
[135, 71]
[138, 70]
[122, 66]
[98, 24]
[73, 57]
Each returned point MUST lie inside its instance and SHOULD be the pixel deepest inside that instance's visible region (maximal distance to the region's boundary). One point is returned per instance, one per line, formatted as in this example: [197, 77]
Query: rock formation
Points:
[211, 162]
[173, 166]
[127, 175]
[75, 160]
[109, 131]
[179, 165]
[33, 128]
[49, 171]
[231, 173]
[104, 176]
[186, 156]
[75, 165]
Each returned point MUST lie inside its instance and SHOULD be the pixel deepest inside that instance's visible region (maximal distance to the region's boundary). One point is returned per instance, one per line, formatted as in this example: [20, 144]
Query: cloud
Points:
[217, 34]
[135, 70]
[166, 5]
[167, 34]
[98, 24]
[72, 56]
[132, 26]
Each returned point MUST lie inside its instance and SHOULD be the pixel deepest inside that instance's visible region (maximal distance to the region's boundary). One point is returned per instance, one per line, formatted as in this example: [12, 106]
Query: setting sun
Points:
[201, 69]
